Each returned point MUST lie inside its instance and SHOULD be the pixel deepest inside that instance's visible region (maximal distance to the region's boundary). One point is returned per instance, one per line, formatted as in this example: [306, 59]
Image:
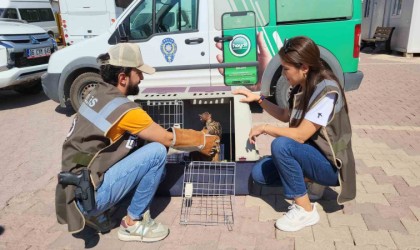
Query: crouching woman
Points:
[317, 144]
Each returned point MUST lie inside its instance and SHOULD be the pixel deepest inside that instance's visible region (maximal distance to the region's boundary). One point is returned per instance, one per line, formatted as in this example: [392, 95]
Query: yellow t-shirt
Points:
[134, 121]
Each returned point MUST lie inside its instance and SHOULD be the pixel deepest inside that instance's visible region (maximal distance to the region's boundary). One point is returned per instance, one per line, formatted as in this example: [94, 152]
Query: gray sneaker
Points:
[146, 230]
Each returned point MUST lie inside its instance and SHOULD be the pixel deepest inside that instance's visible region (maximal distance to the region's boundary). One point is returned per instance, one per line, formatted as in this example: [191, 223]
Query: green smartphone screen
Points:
[242, 47]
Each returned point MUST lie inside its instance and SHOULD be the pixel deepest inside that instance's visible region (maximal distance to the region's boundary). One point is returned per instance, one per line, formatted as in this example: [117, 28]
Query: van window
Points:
[292, 11]
[9, 13]
[37, 15]
[163, 16]
[261, 9]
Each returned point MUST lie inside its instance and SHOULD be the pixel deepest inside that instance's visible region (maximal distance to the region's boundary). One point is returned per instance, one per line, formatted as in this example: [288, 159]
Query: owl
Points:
[211, 126]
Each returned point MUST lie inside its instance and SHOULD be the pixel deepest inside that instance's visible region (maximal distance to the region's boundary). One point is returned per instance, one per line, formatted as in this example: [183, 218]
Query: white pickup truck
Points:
[24, 54]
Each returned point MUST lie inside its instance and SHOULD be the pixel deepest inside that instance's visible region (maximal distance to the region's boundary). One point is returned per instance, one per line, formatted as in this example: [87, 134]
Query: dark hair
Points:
[299, 51]
[109, 73]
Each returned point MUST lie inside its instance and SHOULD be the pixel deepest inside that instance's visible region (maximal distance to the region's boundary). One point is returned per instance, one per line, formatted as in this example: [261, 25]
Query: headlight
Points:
[10, 57]
[3, 58]
[9, 50]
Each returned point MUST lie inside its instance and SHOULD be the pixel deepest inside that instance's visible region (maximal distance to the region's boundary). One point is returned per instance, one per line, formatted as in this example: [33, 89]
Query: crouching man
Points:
[105, 142]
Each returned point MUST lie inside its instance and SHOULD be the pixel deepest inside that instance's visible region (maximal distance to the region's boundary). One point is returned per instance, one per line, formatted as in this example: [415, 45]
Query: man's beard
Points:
[132, 89]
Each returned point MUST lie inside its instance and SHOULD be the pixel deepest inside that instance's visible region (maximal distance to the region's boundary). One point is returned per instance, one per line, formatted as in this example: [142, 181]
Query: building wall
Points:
[406, 36]
[374, 18]
[414, 38]
[402, 25]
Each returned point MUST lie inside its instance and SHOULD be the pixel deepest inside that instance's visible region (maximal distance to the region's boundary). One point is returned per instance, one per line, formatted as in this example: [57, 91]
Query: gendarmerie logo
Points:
[240, 45]
[168, 48]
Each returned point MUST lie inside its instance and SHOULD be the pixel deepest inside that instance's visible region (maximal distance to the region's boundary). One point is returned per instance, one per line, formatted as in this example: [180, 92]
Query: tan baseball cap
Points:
[128, 55]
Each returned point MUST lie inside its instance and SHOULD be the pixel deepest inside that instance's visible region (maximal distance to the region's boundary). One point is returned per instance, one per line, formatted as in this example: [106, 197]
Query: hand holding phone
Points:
[264, 58]
[239, 46]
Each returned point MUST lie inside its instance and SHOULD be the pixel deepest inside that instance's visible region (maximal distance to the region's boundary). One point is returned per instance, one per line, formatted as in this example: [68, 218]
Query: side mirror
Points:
[123, 3]
[165, 2]
[119, 35]
[122, 33]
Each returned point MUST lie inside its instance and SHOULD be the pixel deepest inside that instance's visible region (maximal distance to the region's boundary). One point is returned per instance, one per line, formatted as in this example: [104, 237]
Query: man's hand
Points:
[190, 140]
[212, 145]
[264, 58]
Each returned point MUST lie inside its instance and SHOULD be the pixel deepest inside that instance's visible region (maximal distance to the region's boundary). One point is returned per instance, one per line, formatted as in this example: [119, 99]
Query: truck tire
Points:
[282, 92]
[30, 88]
[81, 86]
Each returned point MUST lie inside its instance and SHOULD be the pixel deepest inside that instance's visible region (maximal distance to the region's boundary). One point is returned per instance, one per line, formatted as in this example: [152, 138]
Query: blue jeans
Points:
[290, 162]
[141, 170]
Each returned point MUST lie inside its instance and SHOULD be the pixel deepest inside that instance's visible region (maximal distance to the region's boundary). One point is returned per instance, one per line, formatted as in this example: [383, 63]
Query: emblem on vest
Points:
[131, 142]
[91, 101]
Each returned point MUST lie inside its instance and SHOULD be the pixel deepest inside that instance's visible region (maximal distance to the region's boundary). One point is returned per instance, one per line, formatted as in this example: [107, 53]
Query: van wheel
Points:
[282, 92]
[29, 89]
[81, 87]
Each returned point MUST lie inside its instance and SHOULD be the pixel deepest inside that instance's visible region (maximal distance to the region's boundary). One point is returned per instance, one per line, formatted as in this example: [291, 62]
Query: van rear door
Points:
[86, 18]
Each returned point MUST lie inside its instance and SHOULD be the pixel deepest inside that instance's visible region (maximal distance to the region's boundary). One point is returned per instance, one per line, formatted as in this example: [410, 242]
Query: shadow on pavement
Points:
[89, 235]
[68, 110]
[1, 230]
[280, 204]
[10, 99]
[158, 206]
[329, 201]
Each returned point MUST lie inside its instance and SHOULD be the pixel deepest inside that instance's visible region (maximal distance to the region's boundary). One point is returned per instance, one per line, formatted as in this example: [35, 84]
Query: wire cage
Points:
[208, 193]
[167, 113]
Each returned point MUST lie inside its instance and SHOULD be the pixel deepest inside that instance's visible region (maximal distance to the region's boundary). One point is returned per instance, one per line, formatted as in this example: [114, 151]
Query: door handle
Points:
[222, 38]
[194, 40]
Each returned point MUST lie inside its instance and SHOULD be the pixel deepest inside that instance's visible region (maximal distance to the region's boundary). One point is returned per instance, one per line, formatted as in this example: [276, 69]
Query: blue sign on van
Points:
[168, 48]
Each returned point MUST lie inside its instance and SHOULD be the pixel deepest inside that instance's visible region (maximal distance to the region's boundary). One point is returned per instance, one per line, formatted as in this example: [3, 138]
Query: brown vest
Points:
[86, 145]
[333, 140]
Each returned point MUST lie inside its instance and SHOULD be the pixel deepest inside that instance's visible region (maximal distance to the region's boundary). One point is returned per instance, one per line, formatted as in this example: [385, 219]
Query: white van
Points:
[81, 19]
[36, 12]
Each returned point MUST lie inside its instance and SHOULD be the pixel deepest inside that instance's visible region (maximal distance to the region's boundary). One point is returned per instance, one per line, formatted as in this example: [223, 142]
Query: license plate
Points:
[38, 52]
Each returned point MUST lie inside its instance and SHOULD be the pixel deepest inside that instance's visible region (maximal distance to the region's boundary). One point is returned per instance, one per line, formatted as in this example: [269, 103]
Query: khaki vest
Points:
[86, 145]
[333, 140]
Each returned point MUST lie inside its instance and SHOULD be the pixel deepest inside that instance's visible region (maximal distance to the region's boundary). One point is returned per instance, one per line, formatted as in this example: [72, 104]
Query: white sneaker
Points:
[297, 218]
[315, 191]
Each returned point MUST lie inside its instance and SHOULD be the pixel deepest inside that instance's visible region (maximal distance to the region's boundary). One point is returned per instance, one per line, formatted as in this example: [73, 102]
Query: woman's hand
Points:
[249, 96]
[255, 132]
